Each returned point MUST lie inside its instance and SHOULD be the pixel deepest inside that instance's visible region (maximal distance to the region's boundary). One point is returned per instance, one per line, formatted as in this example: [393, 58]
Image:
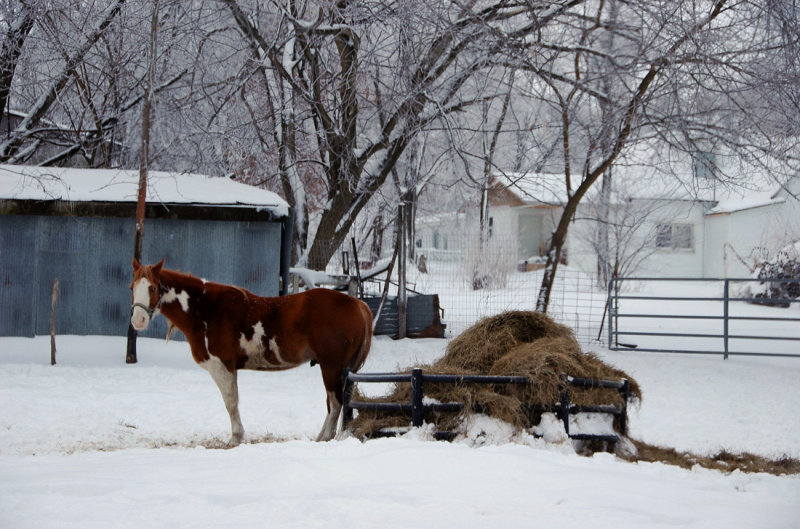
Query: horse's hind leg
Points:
[333, 385]
[228, 387]
[328, 431]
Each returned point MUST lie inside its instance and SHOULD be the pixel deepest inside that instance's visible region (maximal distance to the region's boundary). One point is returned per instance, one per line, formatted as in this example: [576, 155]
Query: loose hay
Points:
[514, 343]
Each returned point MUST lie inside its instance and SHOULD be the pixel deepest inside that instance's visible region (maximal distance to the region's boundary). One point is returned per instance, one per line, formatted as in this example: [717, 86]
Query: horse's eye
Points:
[152, 289]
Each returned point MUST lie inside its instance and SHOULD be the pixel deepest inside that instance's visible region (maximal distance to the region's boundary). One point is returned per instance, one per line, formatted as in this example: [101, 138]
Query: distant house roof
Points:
[533, 188]
[18, 182]
[635, 181]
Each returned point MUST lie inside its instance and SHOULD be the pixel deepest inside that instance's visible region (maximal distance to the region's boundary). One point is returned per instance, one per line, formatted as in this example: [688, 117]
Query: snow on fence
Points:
[419, 405]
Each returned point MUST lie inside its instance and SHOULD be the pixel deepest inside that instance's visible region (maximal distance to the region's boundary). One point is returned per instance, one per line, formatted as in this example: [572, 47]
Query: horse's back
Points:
[336, 321]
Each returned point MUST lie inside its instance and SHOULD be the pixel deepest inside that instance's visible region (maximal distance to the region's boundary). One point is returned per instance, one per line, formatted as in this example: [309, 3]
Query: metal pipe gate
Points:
[730, 322]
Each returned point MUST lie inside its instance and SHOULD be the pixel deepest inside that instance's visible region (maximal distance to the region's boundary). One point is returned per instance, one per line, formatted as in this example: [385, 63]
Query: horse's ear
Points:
[136, 264]
[157, 268]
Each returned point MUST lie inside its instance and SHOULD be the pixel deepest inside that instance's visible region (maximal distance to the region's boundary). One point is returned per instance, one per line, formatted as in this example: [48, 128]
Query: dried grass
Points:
[723, 461]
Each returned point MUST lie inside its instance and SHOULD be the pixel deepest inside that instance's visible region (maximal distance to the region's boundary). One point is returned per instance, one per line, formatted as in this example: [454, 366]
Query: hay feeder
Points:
[418, 409]
[514, 366]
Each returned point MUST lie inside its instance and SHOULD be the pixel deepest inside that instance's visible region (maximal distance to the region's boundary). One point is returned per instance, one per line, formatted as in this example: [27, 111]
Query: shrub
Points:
[785, 265]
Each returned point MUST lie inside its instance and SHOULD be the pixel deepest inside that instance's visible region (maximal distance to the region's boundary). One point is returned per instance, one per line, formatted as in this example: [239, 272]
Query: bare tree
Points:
[342, 62]
[10, 148]
[18, 26]
[680, 74]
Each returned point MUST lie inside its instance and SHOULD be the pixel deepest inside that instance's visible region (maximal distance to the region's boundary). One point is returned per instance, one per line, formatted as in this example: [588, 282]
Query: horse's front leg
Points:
[227, 383]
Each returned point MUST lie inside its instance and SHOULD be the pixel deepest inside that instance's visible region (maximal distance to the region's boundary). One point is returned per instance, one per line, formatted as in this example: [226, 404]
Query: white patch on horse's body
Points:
[228, 387]
[255, 345]
[273, 346]
[182, 297]
[258, 357]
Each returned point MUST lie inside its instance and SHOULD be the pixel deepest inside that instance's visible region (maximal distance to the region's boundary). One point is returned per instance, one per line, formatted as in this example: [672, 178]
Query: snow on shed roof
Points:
[20, 182]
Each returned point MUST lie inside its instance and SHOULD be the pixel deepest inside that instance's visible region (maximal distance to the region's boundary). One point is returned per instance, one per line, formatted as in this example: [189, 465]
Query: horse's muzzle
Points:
[140, 316]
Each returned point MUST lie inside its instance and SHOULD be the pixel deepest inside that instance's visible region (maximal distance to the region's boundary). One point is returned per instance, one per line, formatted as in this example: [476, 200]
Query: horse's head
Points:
[146, 291]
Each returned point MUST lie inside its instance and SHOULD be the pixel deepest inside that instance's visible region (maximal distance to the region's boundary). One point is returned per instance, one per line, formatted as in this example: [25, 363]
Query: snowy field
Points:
[95, 443]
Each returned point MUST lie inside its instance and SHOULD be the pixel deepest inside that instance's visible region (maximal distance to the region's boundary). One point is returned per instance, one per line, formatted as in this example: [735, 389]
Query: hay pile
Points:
[519, 343]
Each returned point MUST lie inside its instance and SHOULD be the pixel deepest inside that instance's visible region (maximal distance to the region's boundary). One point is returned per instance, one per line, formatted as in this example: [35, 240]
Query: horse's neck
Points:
[181, 282]
[180, 291]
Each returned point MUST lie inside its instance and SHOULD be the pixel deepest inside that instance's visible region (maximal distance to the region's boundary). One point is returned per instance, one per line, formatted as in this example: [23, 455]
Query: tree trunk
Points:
[12, 48]
[144, 163]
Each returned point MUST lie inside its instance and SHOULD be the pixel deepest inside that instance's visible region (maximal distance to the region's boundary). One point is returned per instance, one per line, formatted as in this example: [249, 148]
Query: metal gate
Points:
[704, 316]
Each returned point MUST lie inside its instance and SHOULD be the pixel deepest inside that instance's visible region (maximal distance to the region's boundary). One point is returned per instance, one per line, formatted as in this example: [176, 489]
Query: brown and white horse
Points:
[229, 328]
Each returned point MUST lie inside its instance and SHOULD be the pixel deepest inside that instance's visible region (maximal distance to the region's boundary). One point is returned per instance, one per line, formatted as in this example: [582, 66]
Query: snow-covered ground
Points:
[93, 442]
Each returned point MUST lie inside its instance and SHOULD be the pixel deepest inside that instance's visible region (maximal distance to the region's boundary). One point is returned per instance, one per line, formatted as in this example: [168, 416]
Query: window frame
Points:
[668, 236]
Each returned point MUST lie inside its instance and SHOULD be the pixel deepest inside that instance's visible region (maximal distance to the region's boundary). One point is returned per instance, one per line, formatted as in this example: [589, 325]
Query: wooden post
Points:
[144, 167]
[402, 294]
[358, 269]
[53, 324]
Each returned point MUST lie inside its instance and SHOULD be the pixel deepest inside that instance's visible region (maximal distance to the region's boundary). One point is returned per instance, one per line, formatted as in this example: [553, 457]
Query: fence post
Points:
[416, 397]
[53, 324]
[609, 309]
[725, 314]
[563, 409]
[347, 395]
[402, 293]
[623, 417]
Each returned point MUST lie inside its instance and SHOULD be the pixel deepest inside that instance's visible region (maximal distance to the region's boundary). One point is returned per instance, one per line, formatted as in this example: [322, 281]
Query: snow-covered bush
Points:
[785, 265]
[490, 263]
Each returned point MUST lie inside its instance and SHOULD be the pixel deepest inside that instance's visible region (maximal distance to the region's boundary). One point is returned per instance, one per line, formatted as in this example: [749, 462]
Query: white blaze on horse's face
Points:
[143, 292]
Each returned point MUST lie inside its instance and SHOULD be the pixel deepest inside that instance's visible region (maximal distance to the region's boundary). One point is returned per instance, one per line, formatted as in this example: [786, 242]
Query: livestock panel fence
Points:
[419, 405]
[741, 316]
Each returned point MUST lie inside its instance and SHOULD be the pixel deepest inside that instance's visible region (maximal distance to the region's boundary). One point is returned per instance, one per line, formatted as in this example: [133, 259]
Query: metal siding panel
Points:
[210, 249]
[91, 258]
[63, 243]
[387, 323]
[18, 236]
[258, 257]
[165, 239]
[420, 314]
[109, 269]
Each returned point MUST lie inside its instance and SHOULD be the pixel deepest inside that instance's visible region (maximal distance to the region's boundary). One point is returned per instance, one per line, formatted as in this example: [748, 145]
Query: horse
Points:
[229, 328]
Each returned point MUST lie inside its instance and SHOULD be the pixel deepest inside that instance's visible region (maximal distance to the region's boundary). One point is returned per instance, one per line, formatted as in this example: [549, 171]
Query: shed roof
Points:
[20, 182]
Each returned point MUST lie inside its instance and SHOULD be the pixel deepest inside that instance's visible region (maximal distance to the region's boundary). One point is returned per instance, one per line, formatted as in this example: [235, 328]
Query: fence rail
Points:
[417, 407]
[743, 318]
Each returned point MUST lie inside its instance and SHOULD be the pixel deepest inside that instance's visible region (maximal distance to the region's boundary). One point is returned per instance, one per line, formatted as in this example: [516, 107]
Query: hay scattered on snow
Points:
[519, 343]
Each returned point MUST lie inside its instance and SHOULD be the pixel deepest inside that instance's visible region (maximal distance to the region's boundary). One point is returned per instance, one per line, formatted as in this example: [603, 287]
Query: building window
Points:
[675, 236]
[705, 165]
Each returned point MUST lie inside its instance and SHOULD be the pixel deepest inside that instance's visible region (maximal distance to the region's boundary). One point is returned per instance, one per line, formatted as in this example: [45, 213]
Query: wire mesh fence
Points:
[473, 283]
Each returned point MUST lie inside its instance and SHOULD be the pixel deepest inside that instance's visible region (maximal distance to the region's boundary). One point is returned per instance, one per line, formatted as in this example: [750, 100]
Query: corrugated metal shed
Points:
[88, 245]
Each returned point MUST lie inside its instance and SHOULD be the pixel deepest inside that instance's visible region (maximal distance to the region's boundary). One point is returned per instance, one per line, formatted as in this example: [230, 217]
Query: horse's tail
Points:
[358, 359]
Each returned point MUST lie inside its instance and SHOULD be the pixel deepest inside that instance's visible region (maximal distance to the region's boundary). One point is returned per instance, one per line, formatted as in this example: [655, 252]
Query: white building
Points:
[660, 225]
